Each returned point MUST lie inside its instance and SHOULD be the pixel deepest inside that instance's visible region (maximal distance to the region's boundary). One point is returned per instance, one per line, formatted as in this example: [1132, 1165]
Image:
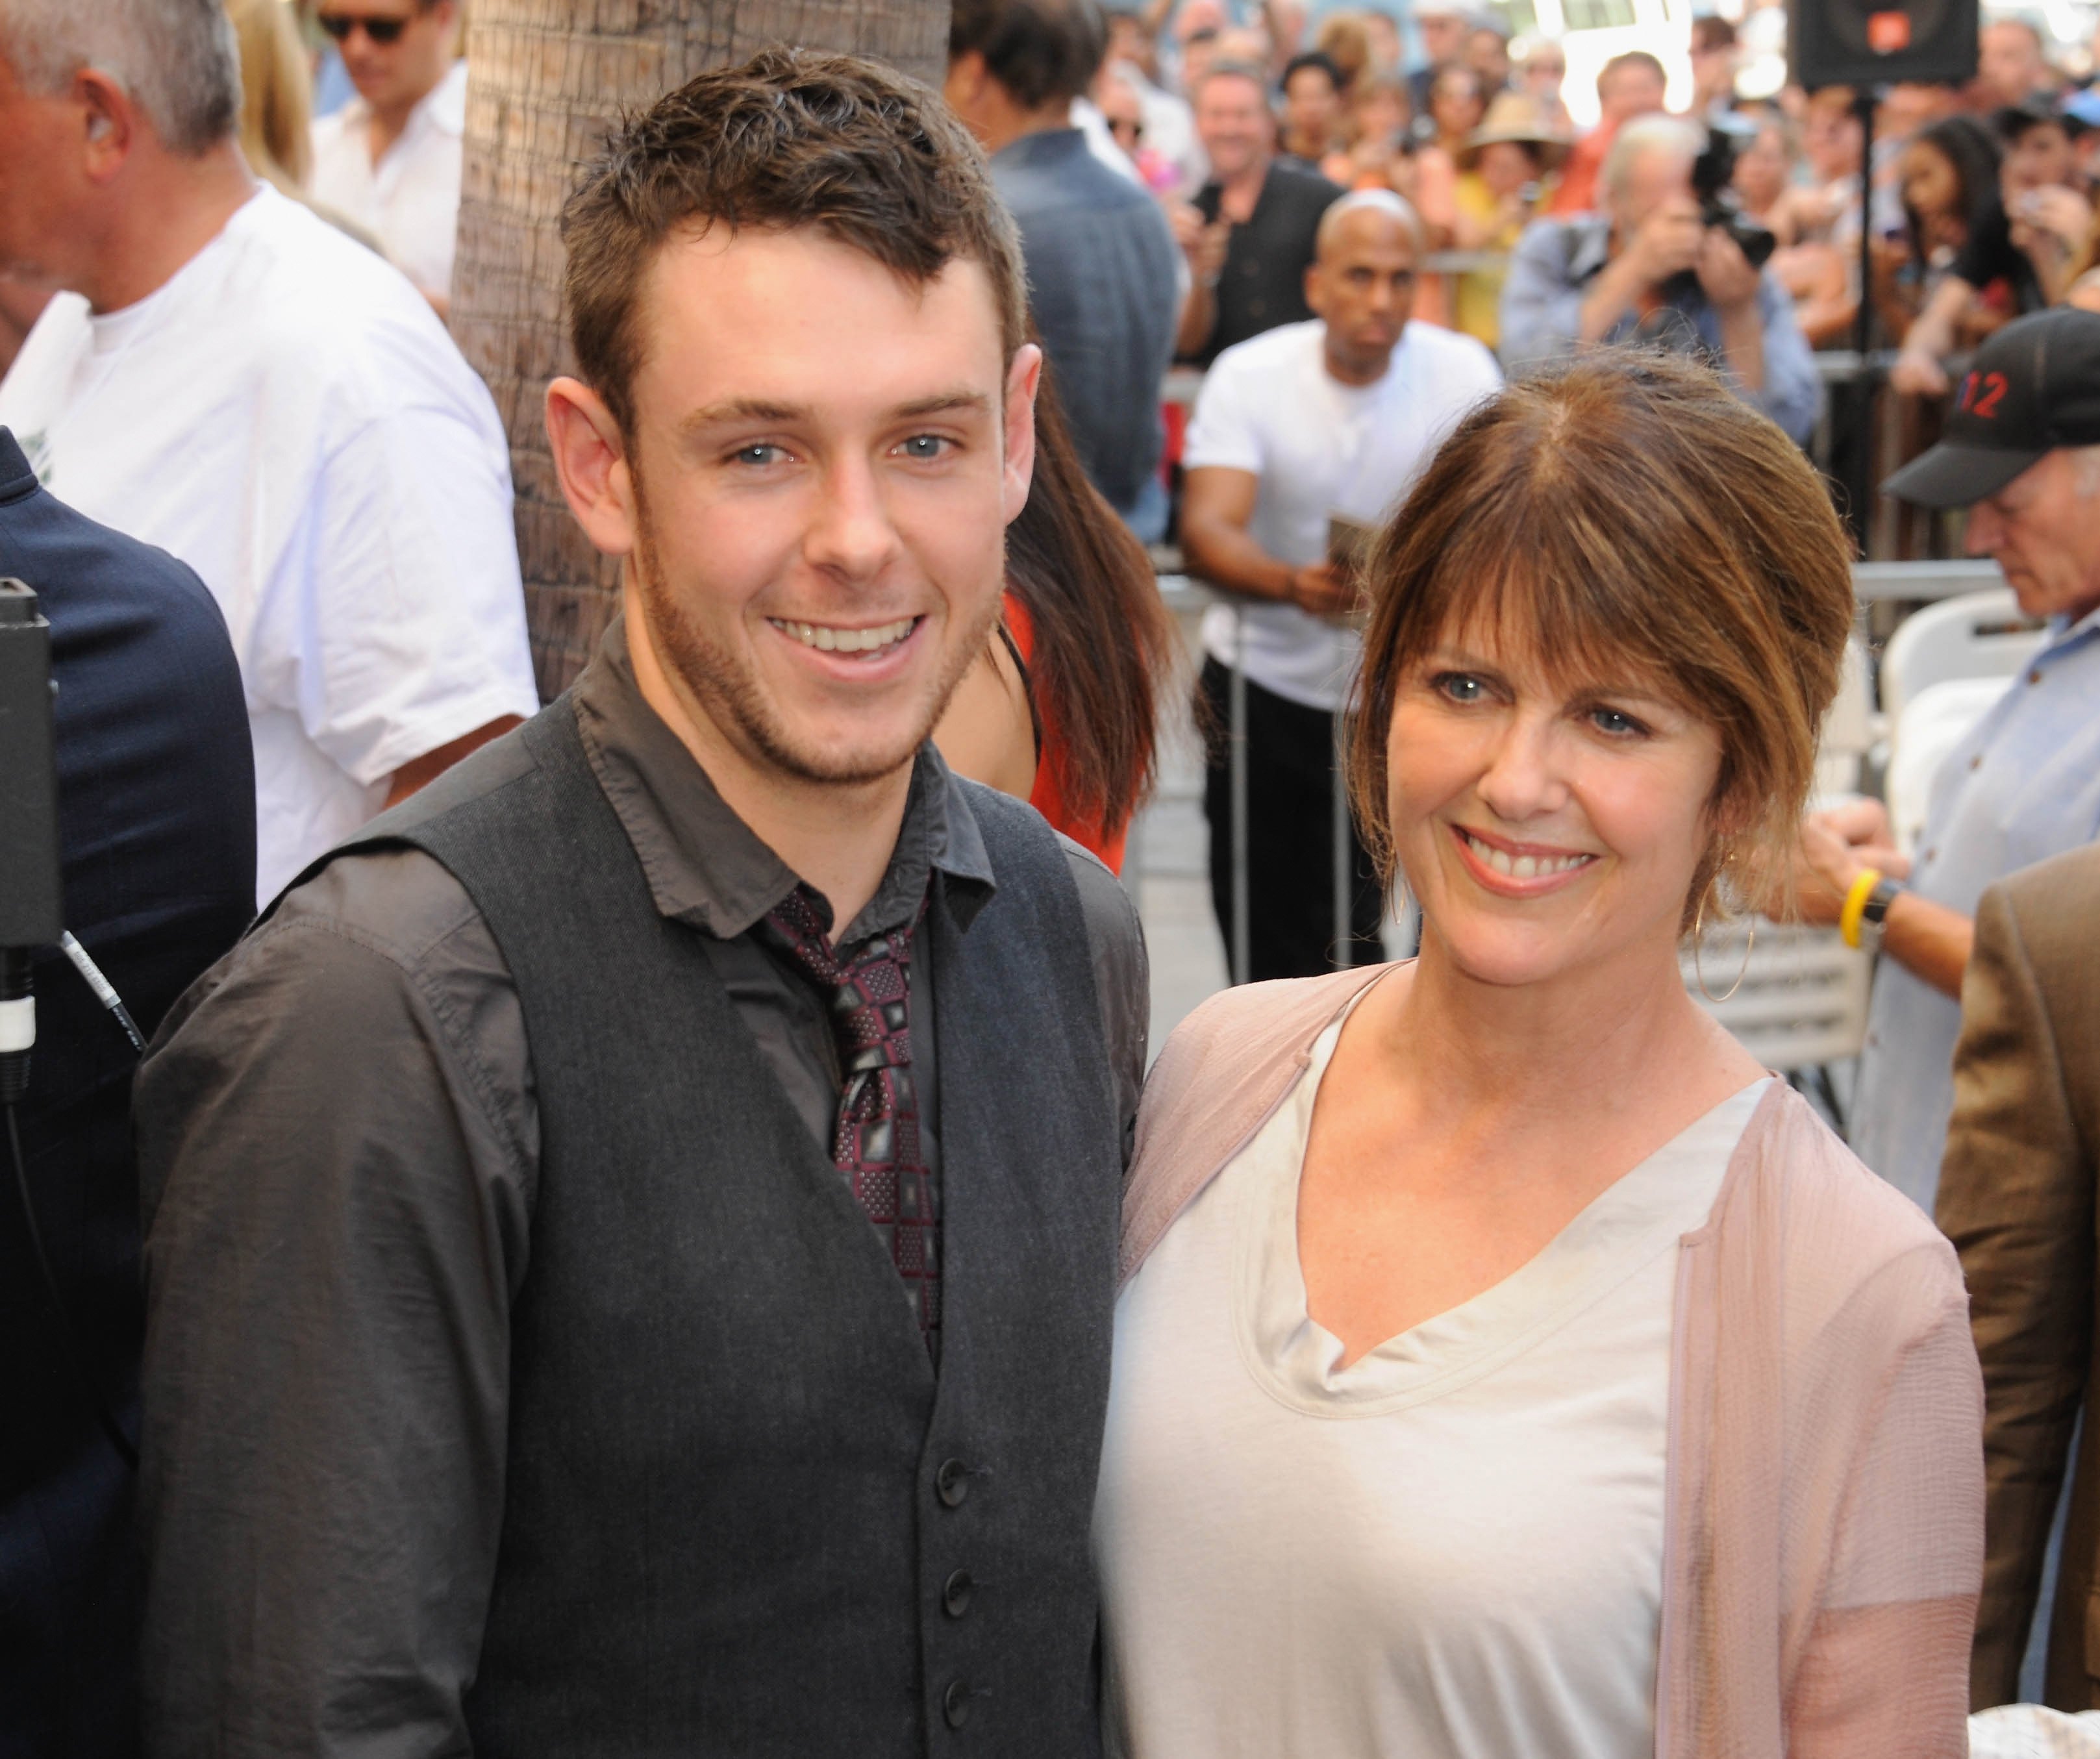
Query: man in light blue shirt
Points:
[2022, 452]
[1649, 269]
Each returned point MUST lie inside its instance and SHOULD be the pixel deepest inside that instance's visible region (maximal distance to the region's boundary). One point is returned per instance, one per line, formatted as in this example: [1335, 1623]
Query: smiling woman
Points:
[1609, 1405]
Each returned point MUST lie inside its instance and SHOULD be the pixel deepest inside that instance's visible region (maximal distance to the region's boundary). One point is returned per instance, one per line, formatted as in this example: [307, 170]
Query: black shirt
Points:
[1990, 255]
[343, 1118]
[1263, 282]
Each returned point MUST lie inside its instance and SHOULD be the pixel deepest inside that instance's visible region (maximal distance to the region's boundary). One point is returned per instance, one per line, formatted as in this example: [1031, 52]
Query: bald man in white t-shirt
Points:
[1298, 427]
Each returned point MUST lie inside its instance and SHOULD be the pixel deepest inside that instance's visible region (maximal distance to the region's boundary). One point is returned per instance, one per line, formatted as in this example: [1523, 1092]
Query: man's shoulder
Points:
[112, 599]
[316, 303]
[1557, 241]
[1075, 191]
[1301, 185]
[1287, 352]
[1105, 901]
[1453, 356]
[2054, 905]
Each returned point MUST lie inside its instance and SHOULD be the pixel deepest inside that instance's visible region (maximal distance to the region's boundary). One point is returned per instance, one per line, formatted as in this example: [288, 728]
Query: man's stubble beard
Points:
[729, 695]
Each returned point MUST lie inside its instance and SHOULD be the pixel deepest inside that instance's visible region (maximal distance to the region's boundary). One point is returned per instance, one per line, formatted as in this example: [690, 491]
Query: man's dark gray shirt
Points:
[1102, 286]
[351, 1103]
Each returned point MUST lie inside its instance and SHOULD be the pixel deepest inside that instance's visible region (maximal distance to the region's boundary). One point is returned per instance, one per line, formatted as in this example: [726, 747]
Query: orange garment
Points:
[1048, 795]
[1437, 201]
[1578, 193]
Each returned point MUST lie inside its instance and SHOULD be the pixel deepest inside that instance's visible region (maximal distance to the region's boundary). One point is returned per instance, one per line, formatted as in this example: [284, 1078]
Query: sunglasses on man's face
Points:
[1125, 128]
[380, 30]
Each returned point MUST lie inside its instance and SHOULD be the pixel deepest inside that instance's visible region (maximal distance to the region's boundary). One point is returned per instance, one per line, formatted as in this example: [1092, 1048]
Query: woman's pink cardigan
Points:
[1823, 1546]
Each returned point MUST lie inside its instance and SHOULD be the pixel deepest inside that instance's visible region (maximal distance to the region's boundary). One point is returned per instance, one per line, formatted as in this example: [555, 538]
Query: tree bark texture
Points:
[545, 79]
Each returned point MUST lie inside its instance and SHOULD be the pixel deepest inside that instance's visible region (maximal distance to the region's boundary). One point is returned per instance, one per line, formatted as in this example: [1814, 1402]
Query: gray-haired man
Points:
[232, 379]
[1648, 269]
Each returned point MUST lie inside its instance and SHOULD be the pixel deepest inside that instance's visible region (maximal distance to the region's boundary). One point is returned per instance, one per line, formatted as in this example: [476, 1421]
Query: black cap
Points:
[2035, 387]
[2014, 120]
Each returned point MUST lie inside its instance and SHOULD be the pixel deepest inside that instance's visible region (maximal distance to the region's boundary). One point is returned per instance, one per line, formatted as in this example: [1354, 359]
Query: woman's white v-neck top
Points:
[1452, 1548]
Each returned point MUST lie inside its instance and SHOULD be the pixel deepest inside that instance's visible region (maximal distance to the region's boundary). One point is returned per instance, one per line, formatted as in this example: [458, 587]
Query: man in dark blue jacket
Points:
[1102, 262]
[156, 808]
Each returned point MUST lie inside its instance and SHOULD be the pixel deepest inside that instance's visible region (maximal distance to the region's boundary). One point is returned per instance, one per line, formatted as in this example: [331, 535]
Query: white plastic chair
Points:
[1848, 730]
[1979, 635]
[1802, 1000]
[1932, 722]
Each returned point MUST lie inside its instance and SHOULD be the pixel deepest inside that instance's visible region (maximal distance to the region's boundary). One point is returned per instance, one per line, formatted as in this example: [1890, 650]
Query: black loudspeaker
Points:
[1868, 43]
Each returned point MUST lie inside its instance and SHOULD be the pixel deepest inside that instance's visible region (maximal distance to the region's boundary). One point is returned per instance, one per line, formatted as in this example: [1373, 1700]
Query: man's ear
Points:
[1022, 378]
[1316, 290]
[109, 125]
[964, 82]
[590, 457]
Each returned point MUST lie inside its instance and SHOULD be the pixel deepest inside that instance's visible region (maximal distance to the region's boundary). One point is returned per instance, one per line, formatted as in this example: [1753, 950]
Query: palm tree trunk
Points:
[545, 77]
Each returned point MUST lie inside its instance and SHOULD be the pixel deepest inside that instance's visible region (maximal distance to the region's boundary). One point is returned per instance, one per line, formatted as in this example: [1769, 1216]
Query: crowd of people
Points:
[476, 1324]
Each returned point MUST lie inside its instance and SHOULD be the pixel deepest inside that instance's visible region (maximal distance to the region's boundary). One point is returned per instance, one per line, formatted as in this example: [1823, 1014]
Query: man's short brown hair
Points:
[1633, 59]
[1633, 520]
[786, 140]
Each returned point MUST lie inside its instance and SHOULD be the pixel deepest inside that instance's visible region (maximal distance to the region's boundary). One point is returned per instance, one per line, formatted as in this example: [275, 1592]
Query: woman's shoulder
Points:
[1844, 1235]
[1222, 1071]
[1252, 1023]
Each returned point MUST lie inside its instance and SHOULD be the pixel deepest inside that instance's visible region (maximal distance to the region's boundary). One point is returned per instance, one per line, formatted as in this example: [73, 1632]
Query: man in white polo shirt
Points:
[1296, 428]
[232, 379]
[390, 158]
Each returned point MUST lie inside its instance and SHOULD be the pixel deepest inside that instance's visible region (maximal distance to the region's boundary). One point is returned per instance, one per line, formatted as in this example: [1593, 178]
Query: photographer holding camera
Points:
[1669, 262]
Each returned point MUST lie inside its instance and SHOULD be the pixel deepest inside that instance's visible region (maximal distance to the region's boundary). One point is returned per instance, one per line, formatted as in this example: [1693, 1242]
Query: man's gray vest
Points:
[743, 1516]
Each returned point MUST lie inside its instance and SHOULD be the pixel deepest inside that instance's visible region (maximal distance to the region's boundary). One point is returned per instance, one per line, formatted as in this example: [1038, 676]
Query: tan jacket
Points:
[1823, 1537]
[2017, 1198]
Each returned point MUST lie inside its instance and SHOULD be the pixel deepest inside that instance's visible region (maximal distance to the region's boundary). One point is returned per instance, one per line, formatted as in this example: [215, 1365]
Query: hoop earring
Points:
[1698, 925]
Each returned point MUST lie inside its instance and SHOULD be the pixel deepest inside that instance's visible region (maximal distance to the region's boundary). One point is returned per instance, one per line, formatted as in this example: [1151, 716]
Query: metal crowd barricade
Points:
[1185, 596]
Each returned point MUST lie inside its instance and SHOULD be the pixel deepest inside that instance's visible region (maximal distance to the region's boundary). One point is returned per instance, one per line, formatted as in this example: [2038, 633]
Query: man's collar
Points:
[705, 867]
[1042, 146]
[17, 478]
[1589, 246]
[442, 107]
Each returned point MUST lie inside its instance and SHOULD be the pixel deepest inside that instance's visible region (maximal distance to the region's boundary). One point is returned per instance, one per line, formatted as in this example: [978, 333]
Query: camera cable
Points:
[16, 1039]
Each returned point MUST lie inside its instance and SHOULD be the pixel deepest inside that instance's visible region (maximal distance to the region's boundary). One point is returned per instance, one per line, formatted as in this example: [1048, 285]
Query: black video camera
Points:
[1718, 203]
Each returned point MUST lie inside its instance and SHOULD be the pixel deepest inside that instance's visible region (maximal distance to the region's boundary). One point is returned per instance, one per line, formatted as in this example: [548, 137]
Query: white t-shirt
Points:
[1452, 1548]
[287, 416]
[410, 200]
[1270, 405]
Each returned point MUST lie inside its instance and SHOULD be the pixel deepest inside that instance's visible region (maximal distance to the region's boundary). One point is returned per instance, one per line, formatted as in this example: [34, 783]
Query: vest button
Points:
[951, 1483]
[955, 1703]
[955, 1593]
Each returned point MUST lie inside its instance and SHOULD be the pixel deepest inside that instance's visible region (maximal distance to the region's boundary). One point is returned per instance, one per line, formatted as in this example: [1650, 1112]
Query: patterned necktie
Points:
[876, 1140]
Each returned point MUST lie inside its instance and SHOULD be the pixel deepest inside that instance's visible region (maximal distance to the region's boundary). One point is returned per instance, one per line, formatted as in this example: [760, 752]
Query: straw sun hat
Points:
[1513, 116]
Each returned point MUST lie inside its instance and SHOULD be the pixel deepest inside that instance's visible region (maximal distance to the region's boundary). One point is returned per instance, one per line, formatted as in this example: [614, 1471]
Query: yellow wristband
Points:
[1855, 903]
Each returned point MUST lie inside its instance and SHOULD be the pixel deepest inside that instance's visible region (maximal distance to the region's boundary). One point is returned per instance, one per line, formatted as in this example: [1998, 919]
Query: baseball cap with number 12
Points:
[2035, 385]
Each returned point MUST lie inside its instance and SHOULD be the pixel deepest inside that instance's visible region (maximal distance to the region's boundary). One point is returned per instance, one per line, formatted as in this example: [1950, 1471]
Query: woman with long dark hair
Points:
[1062, 709]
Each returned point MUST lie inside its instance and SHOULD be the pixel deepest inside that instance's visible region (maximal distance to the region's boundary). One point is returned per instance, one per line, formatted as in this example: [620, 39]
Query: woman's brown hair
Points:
[1104, 642]
[1626, 511]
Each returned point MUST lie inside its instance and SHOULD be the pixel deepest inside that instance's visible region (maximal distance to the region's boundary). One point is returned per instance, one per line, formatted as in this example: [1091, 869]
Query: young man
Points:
[1334, 416]
[389, 159]
[633, 1240]
[230, 379]
[1628, 86]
